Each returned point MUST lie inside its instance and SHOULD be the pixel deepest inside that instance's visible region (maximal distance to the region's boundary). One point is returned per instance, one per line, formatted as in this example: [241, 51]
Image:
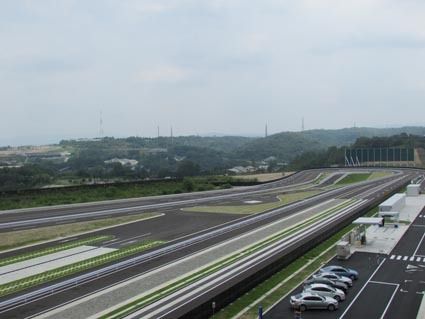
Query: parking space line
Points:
[419, 244]
[361, 290]
[390, 301]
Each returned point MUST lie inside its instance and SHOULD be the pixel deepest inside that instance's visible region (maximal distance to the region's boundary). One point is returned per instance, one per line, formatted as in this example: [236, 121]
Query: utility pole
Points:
[302, 124]
[171, 134]
[266, 133]
[158, 131]
[100, 125]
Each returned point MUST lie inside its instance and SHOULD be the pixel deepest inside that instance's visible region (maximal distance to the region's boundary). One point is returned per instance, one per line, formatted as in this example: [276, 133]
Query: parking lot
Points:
[364, 263]
[389, 286]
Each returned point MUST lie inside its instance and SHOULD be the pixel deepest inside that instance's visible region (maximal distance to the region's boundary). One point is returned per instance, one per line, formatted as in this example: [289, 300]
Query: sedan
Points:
[342, 271]
[322, 280]
[306, 300]
[325, 291]
[334, 277]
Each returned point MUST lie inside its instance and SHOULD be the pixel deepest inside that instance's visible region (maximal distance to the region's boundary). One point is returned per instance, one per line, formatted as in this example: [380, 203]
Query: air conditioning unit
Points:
[343, 250]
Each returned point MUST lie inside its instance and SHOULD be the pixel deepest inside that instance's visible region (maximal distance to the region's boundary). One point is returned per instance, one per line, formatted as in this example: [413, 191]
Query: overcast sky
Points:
[207, 66]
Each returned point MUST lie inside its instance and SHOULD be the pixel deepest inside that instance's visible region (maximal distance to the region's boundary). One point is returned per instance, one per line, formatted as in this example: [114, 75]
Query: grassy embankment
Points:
[13, 239]
[253, 208]
[354, 178]
[59, 196]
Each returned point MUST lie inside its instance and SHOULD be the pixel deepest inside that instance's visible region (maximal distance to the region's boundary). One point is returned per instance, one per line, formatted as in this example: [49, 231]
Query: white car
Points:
[325, 291]
[334, 277]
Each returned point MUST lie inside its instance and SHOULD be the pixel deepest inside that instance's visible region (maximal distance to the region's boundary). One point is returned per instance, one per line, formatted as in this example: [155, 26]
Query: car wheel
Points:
[337, 298]
[303, 308]
[331, 308]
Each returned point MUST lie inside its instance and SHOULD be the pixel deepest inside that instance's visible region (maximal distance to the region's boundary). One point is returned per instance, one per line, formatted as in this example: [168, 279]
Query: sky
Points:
[207, 66]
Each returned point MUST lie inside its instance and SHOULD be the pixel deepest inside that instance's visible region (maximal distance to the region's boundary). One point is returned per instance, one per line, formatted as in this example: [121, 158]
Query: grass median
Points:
[60, 272]
[54, 249]
[18, 238]
[354, 178]
[284, 199]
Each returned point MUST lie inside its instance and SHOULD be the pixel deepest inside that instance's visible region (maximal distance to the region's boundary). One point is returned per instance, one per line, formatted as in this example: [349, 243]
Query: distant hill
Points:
[287, 145]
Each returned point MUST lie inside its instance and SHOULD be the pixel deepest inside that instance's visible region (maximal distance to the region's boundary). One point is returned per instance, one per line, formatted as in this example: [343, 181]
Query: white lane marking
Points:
[392, 257]
[412, 258]
[419, 244]
[361, 290]
[399, 257]
[418, 259]
[389, 302]
[405, 258]
[383, 283]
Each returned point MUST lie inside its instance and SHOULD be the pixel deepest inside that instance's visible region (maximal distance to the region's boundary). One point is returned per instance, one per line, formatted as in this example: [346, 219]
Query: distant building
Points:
[123, 161]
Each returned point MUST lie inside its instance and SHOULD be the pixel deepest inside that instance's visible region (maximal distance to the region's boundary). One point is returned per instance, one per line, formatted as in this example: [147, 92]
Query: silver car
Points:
[306, 300]
[325, 291]
[334, 277]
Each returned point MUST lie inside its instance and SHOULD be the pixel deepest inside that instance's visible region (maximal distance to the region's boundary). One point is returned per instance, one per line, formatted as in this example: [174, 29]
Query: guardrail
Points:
[63, 285]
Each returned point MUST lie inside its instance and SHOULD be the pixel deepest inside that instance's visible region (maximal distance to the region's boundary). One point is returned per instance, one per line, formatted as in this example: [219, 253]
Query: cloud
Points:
[164, 74]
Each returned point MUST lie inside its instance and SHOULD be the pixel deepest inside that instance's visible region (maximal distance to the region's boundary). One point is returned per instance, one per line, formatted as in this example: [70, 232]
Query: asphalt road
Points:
[172, 226]
[88, 211]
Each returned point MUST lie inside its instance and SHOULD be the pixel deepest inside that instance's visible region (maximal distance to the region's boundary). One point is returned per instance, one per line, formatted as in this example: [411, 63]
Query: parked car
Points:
[322, 280]
[334, 277]
[326, 291]
[342, 271]
[307, 300]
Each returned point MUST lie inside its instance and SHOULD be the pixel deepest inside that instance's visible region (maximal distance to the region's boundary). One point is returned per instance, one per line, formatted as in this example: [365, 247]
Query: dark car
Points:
[342, 271]
[321, 280]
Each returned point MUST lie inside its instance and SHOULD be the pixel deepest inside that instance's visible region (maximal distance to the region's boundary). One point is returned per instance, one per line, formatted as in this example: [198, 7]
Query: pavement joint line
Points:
[361, 290]
[157, 215]
[132, 306]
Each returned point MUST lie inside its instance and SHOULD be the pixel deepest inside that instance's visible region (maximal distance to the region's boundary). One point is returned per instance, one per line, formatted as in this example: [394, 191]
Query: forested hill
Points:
[287, 145]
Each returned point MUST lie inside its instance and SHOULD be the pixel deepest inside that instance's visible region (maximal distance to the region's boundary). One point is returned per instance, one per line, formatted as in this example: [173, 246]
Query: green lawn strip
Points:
[145, 300]
[70, 269]
[285, 280]
[284, 199]
[54, 249]
[19, 238]
[376, 175]
[320, 178]
[354, 178]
